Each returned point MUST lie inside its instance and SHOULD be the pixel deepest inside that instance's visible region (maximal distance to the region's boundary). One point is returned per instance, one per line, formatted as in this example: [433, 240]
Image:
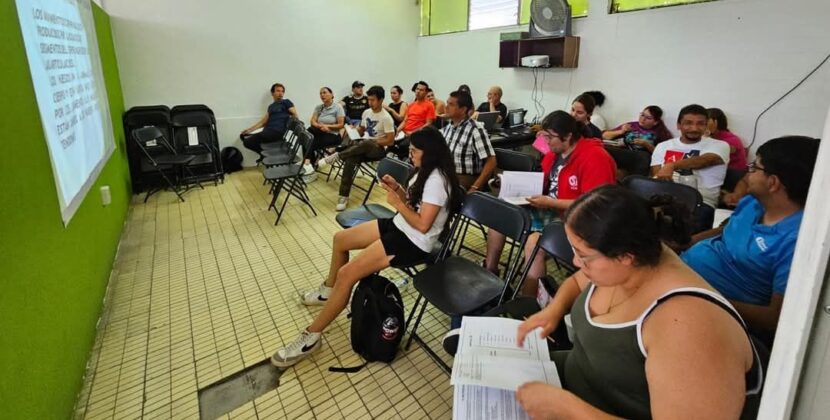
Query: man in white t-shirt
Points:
[377, 129]
[704, 158]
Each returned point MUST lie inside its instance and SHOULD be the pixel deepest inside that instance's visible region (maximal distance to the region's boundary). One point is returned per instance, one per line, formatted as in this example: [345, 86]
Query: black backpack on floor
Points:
[231, 159]
[377, 321]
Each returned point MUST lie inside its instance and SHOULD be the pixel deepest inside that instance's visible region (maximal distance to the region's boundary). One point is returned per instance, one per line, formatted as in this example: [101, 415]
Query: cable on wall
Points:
[755, 127]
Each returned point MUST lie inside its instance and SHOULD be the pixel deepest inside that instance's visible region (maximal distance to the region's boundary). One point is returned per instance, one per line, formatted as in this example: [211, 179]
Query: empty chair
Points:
[289, 178]
[161, 157]
[388, 166]
[138, 117]
[459, 286]
[194, 133]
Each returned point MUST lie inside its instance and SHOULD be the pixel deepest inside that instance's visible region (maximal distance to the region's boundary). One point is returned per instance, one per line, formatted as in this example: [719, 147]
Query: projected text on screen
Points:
[62, 49]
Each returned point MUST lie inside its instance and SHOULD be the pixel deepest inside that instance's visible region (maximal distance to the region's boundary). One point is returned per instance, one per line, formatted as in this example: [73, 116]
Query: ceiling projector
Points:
[536, 61]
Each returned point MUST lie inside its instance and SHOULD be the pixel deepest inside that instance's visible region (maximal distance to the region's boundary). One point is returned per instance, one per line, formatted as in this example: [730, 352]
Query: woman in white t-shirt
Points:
[424, 210]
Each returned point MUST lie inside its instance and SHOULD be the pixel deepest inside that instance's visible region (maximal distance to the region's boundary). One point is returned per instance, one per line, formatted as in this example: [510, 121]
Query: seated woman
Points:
[574, 166]
[582, 109]
[327, 120]
[719, 129]
[423, 209]
[651, 338]
[396, 107]
[643, 134]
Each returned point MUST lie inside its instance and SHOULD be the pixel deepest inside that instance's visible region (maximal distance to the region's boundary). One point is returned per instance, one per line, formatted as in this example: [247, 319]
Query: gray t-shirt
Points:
[329, 114]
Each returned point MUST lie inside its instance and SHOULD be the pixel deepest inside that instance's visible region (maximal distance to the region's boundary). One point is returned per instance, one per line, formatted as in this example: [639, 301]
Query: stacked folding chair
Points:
[138, 117]
[194, 133]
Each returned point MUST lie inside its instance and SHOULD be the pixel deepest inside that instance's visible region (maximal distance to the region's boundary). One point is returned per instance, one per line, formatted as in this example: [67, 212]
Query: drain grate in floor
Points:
[225, 395]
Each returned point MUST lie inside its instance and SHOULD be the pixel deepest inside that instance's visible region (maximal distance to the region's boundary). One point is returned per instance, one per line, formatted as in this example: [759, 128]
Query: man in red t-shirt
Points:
[420, 113]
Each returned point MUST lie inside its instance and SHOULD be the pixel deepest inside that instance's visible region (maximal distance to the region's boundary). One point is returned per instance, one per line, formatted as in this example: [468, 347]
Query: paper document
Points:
[478, 402]
[720, 216]
[400, 136]
[613, 142]
[352, 132]
[489, 367]
[192, 136]
[517, 186]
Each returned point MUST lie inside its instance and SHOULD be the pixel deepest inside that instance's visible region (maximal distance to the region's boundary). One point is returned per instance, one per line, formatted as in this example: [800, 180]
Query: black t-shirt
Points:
[355, 106]
[501, 108]
[554, 174]
[593, 131]
[278, 114]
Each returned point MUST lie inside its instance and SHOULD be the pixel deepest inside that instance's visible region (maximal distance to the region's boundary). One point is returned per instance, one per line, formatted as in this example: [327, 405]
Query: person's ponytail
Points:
[672, 219]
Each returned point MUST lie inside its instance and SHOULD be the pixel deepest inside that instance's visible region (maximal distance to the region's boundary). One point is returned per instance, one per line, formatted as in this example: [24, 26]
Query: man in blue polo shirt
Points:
[748, 260]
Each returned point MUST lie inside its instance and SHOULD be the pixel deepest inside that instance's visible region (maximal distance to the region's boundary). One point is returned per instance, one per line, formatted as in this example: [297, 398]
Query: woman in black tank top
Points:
[651, 338]
[397, 107]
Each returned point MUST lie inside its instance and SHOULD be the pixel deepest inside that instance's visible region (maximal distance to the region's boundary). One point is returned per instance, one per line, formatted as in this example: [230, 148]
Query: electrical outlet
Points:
[106, 196]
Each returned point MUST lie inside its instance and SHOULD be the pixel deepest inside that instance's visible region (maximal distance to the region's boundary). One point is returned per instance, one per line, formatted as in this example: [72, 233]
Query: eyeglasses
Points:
[549, 135]
[753, 166]
[584, 259]
[645, 116]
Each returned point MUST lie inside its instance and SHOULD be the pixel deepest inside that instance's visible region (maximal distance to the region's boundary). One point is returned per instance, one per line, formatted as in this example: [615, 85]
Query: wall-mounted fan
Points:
[550, 18]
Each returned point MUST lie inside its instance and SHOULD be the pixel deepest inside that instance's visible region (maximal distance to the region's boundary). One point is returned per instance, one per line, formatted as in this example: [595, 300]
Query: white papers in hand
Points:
[517, 186]
[489, 367]
[352, 132]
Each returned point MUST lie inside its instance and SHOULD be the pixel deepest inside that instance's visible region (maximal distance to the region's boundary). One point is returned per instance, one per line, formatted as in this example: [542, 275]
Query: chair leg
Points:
[282, 208]
[414, 332]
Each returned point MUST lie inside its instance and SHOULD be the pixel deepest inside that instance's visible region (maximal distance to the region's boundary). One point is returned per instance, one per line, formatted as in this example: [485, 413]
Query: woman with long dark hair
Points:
[397, 106]
[643, 134]
[424, 208]
[651, 338]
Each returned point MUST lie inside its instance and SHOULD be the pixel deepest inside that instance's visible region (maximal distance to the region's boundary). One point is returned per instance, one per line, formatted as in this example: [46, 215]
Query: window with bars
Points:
[446, 16]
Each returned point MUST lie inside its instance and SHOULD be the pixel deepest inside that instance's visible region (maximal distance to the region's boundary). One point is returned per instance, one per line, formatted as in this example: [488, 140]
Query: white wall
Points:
[226, 54]
[738, 55]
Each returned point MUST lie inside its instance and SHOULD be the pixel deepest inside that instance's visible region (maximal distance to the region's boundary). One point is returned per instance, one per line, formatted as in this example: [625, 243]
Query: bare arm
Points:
[706, 234]
[731, 199]
[387, 140]
[698, 162]
[761, 317]
[616, 133]
[259, 124]
[561, 304]
[486, 172]
[293, 112]
[698, 356]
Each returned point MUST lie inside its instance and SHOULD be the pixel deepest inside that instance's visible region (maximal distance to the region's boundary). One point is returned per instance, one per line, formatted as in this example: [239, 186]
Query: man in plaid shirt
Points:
[469, 143]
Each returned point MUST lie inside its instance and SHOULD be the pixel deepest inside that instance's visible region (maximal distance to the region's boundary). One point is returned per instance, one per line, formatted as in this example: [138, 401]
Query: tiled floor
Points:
[204, 288]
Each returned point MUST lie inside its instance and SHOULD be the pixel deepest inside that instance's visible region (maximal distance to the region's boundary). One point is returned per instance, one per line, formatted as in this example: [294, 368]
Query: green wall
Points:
[52, 279]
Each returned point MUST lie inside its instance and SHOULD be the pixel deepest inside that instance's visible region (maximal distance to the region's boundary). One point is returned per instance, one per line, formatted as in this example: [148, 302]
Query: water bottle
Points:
[688, 179]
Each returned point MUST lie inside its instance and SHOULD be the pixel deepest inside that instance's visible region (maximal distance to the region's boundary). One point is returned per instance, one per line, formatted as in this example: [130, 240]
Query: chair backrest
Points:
[203, 122]
[397, 169]
[508, 219]
[151, 142]
[648, 187]
[554, 242]
[191, 108]
[633, 162]
[304, 142]
[509, 160]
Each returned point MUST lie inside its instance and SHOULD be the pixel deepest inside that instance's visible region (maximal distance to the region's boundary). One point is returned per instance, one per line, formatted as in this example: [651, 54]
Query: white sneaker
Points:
[328, 160]
[317, 297]
[301, 348]
[342, 202]
[309, 174]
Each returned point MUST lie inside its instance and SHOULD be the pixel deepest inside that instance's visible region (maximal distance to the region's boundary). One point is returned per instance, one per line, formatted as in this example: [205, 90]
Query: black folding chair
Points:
[366, 212]
[510, 160]
[553, 242]
[290, 178]
[164, 160]
[647, 187]
[631, 162]
[196, 122]
[275, 148]
[459, 286]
